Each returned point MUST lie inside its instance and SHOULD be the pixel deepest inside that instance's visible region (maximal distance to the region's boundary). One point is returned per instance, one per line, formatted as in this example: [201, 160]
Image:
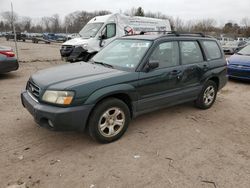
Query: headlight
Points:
[84, 46]
[58, 97]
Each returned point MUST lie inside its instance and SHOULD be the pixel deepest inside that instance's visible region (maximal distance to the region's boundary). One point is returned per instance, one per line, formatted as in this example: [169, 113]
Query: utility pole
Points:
[14, 30]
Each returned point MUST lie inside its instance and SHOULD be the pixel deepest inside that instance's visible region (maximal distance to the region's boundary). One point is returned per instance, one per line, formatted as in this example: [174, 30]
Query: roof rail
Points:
[164, 32]
[176, 33]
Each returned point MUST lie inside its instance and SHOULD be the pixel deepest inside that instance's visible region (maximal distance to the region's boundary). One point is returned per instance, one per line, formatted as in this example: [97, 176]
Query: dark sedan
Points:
[8, 62]
[239, 64]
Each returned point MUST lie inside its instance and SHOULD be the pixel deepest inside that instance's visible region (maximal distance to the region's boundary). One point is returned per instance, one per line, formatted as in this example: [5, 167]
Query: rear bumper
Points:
[8, 66]
[70, 118]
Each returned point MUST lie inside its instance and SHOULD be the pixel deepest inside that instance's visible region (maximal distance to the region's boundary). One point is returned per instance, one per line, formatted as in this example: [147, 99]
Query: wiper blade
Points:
[103, 64]
[238, 53]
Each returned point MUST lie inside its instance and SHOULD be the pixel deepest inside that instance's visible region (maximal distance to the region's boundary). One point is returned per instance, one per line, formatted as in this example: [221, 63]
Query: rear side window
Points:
[212, 49]
[190, 52]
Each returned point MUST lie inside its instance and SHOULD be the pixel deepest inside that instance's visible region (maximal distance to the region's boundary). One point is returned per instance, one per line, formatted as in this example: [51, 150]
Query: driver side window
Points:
[109, 31]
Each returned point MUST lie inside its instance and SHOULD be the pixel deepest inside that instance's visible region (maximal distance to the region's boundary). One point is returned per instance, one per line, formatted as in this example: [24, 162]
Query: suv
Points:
[131, 76]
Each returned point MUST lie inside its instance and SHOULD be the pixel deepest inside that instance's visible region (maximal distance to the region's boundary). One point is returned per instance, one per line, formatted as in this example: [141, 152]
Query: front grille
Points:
[33, 89]
[67, 47]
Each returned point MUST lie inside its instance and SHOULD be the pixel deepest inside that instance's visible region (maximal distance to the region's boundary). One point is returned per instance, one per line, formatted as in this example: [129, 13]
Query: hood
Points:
[69, 75]
[76, 41]
[239, 60]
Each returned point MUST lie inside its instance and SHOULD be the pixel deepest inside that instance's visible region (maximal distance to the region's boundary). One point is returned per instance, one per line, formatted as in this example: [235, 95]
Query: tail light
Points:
[8, 53]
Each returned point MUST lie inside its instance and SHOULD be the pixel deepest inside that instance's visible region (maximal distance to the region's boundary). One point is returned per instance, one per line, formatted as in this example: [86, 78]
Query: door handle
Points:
[176, 72]
[205, 67]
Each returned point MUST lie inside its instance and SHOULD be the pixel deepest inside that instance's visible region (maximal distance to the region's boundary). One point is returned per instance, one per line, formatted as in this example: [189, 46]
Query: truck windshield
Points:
[123, 53]
[90, 30]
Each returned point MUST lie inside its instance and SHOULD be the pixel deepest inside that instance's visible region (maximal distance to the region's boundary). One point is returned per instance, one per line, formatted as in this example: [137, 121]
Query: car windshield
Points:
[123, 53]
[90, 30]
[244, 51]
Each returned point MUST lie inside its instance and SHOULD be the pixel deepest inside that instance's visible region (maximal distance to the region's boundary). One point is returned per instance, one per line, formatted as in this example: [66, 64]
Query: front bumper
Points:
[57, 118]
[238, 73]
[8, 66]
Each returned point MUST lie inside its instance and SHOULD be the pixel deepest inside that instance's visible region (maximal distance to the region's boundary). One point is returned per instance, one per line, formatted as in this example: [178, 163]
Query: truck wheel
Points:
[109, 120]
[207, 96]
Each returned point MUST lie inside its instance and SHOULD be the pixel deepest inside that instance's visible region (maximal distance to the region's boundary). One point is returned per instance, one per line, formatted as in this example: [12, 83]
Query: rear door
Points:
[194, 67]
[161, 86]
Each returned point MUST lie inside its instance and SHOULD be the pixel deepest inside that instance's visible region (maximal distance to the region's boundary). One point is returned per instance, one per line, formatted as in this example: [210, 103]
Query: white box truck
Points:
[101, 30]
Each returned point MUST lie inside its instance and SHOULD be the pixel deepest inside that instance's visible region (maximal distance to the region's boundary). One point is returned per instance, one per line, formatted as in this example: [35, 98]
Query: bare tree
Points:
[131, 12]
[46, 22]
[9, 18]
[178, 24]
[55, 23]
[205, 25]
[25, 23]
[245, 22]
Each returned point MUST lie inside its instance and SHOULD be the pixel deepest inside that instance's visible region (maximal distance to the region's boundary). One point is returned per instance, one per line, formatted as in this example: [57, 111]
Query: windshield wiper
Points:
[238, 53]
[103, 64]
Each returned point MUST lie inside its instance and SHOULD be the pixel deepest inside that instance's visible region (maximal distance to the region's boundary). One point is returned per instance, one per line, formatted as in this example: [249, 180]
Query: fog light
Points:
[50, 123]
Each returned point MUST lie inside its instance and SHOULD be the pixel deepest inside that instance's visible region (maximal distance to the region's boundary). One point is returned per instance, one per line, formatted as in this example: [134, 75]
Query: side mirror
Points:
[152, 64]
[102, 37]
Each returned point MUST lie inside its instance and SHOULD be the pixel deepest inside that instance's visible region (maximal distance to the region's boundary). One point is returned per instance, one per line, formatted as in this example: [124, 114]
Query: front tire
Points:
[207, 96]
[109, 120]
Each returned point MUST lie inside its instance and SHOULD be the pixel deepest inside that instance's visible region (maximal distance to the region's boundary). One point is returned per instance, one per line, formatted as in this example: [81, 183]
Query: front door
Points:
[161, 86]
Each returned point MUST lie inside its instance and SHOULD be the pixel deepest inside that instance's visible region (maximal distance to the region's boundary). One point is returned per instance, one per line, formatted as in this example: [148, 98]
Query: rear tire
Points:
[207, 96]
[109, 120]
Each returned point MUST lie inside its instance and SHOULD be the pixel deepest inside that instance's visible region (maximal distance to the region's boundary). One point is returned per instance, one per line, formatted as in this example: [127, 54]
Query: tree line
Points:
[73, 22]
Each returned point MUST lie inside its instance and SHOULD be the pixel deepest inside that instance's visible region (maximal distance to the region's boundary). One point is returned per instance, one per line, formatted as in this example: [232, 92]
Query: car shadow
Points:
[10, 75]
[239, 81]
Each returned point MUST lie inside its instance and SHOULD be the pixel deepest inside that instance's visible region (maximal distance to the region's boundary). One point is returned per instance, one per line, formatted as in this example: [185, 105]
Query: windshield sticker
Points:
[140, 45]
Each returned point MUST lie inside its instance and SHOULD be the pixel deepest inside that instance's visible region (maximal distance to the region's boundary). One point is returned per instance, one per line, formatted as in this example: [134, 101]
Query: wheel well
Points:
[216, 80]
[121, 96]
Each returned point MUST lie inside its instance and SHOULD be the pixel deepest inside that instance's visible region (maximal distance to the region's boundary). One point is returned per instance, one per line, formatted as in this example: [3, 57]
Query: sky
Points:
[220, 10]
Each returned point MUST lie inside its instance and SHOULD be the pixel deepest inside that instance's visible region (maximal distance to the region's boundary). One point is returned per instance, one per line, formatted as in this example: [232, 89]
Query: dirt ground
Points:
[176, 147]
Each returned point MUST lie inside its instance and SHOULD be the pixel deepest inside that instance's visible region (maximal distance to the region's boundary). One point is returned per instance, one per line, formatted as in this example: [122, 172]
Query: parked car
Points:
[239, 64]
[8, 62]
[19, 36]
[131, 76]
[49, 36]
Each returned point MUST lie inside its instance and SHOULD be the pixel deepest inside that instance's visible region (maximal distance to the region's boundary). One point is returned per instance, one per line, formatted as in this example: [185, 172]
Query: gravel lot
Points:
[176, 147]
